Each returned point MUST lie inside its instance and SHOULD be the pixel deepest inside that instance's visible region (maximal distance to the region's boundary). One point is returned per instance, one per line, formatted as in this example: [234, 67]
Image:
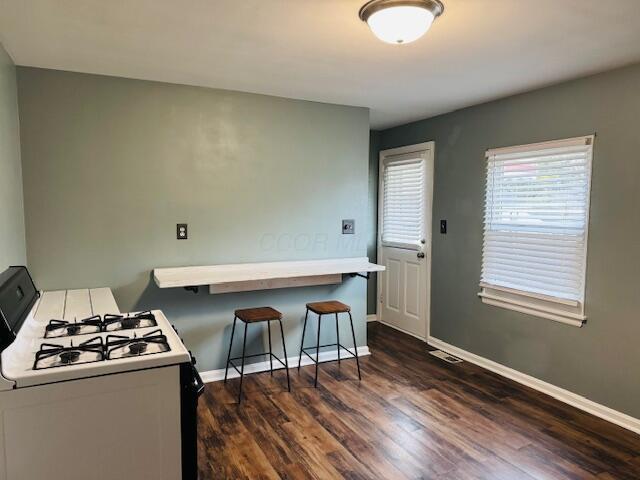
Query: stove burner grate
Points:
[51, 355]
[114, 323]
[96, 324]
[120, 346]
[63, 328]
[113, 347]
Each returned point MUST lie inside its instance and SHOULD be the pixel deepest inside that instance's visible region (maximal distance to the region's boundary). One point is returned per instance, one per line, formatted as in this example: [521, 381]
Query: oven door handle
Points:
[198, 384]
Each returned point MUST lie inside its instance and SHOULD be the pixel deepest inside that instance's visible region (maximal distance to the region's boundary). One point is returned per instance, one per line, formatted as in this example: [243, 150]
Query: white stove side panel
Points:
[111, 427]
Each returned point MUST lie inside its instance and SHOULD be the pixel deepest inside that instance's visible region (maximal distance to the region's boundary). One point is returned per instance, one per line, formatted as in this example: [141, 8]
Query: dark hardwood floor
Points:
[413, 416]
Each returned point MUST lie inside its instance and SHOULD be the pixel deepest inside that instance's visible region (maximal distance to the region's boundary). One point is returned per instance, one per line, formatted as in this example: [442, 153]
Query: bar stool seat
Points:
[259, 314]
[256, 315]
[328, 307]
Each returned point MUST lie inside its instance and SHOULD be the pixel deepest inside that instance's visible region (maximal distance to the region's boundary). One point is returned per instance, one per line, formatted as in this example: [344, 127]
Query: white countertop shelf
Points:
[262, 276]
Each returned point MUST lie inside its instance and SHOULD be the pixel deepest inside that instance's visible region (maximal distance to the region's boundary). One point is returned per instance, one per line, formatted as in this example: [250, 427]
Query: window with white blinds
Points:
[535, 231]
[403, 202]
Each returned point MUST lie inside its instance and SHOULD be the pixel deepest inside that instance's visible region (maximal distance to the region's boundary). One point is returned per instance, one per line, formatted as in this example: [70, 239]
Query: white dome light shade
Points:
[400, 24]
[400, 21]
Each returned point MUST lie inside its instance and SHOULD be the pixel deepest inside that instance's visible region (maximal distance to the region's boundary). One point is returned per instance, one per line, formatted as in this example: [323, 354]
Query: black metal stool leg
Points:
[233, 329]
[355, 345]
[304, 328]
[270, 350]
[244, 345]
[286, 361]
[338, 337]
[315, 382]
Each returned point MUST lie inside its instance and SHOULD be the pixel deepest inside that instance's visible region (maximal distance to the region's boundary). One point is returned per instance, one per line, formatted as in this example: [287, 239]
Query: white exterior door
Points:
[404, 237]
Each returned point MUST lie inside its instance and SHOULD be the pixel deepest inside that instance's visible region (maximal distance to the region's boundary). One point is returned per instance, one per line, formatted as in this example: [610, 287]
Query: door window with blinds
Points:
[403, 201]
[535, 230]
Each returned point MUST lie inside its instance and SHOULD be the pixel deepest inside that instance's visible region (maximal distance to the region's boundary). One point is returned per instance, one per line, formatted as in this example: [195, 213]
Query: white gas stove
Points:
[49, 350]
[69, 359]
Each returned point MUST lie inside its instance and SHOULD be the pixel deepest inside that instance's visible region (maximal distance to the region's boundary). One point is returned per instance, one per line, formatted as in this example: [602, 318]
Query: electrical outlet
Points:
[182, 232]
[443, 227]
[348, 227]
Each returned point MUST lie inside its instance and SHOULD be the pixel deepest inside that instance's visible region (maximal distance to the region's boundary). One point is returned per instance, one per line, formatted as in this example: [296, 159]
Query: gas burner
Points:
[63, 328]
[113, 323]
[129, 323]
[137, 348]
[70, 356]
[120, 346]
[51, 355]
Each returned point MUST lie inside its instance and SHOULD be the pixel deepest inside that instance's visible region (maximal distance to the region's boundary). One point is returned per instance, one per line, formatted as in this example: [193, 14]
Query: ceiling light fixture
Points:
[400, 21]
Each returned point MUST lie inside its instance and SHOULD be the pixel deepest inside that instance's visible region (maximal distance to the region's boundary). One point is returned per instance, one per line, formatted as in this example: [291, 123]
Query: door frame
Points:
[429, 148]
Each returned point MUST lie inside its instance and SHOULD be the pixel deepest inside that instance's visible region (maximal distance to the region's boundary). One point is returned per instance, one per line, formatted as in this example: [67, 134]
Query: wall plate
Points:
[182, 232]
[348, 227]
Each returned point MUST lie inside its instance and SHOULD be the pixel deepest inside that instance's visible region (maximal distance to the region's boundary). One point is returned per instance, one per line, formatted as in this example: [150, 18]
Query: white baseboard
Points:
[372, 318]
[570, 398]
[217, 375]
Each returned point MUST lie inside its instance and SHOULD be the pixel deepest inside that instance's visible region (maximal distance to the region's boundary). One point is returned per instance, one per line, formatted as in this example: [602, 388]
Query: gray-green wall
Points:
[111, 165]
[12, 238]
[600, 361]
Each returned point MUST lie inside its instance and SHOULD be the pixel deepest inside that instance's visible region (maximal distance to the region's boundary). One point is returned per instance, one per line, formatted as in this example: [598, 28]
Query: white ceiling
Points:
[319, 49]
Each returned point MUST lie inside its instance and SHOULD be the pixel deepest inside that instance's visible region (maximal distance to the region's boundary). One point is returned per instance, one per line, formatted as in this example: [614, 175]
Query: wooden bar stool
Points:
[331, 307]
[256, 315]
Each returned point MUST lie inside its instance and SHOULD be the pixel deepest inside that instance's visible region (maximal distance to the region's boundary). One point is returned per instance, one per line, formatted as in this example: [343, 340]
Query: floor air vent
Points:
[445, 356]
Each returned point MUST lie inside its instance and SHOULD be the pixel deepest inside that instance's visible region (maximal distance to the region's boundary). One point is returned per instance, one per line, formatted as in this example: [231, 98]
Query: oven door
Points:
[191, 386]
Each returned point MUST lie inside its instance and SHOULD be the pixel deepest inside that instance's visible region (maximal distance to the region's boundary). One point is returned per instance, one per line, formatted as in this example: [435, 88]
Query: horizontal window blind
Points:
[536, 219]
[403, 202]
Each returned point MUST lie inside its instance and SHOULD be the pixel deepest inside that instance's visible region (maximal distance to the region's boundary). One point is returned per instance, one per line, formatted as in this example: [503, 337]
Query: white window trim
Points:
[568, 312]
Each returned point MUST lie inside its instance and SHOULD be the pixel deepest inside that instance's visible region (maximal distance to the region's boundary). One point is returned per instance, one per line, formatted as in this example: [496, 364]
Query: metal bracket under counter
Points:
[244, 277]
[366, 277]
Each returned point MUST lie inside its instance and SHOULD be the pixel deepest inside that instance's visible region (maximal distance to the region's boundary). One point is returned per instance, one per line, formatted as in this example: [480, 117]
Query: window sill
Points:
[558, 311]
